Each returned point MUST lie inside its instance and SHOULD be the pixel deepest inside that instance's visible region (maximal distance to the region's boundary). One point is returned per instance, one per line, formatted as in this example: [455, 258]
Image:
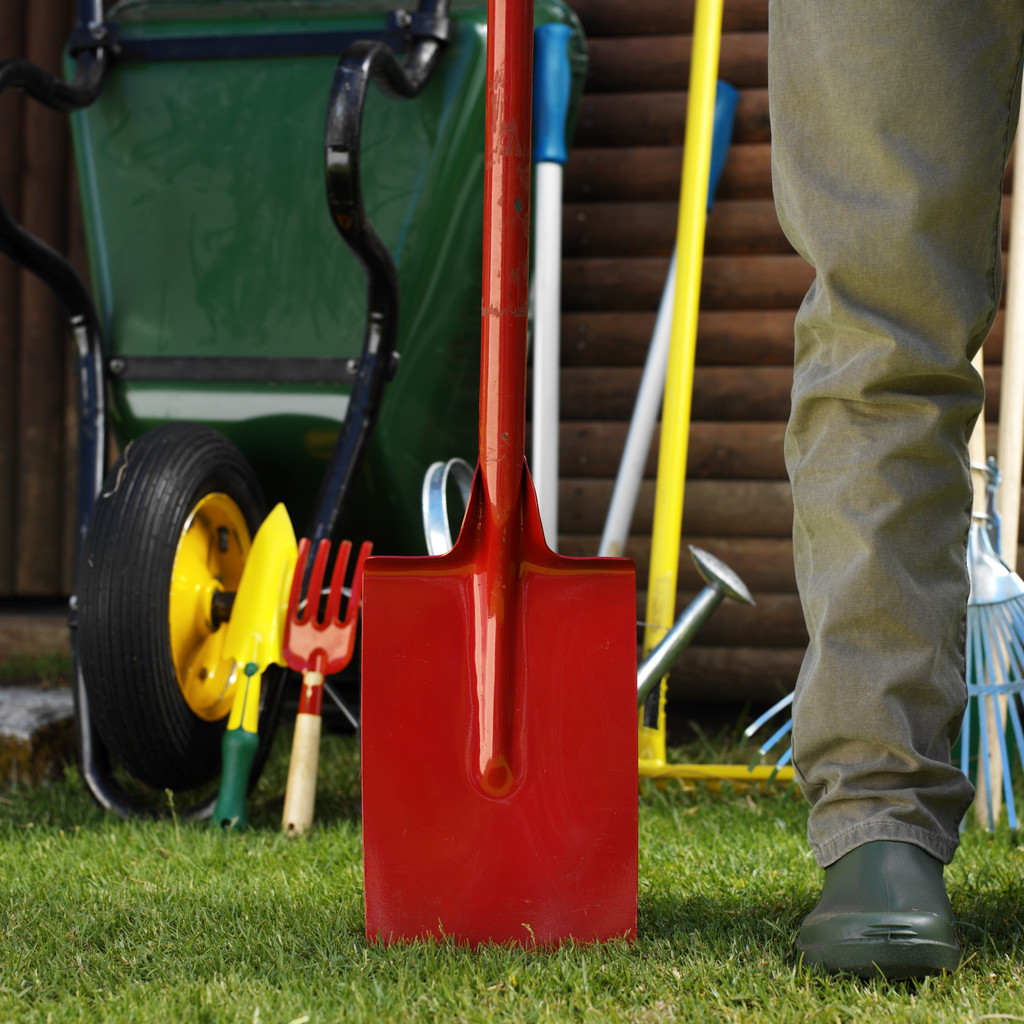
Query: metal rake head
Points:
[323, 643]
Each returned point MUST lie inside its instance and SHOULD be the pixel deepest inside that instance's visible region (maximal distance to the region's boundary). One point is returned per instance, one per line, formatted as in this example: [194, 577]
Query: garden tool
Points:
[995, 671]
[721, 582]
[994, 652]
[652, 382]
[781, 733]
[498, 744]
[995, 647]
[668, 500]
[253, 642]
[1010, 443]
[552, 84]
[436, 514]
[1010, 437]
[316, 645]
[983, 563]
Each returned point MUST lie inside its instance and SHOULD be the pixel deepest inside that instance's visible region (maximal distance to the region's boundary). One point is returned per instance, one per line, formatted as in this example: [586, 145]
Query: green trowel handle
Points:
[238, 749]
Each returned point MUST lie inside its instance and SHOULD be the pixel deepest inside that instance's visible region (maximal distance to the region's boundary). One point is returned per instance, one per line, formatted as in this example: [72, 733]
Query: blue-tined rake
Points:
[995, 675]
[995, 670]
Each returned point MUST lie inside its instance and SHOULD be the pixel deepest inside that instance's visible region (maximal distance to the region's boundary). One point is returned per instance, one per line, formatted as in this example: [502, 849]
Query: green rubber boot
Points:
[883, 910]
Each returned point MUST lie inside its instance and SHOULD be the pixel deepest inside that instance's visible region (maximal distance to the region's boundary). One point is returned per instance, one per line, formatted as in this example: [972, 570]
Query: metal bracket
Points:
[421, 24]
[92, 37]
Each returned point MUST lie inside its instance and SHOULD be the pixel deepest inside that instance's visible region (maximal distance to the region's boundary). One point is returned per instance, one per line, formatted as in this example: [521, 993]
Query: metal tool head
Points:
[721, 582]
[717, 574]
[992, 580]
[315, 641]
[257, 616]
[437, 517]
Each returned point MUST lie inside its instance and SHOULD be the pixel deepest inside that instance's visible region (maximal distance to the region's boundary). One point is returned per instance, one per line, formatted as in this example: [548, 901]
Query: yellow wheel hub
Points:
[212, 550]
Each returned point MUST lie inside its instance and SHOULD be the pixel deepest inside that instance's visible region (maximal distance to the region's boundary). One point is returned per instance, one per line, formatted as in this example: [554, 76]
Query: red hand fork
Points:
[316, 646]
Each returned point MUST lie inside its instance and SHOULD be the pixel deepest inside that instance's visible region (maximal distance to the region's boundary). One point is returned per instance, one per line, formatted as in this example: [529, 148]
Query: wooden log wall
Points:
[621, 192]
[37, 415]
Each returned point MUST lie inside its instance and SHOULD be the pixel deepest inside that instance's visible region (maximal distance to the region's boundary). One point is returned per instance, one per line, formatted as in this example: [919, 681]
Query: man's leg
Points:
[891, 124]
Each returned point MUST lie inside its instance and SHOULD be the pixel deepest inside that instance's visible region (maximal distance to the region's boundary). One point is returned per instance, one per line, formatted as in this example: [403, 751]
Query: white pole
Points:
[547, 301]
[641, 427]
[552, 87]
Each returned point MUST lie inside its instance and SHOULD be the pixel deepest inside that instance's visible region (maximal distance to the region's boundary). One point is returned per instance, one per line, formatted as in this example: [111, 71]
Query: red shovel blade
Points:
[499, 817]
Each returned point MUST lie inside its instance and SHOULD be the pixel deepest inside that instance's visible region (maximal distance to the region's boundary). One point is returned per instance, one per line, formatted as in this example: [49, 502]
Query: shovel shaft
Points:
[506, 268]
[506, 274]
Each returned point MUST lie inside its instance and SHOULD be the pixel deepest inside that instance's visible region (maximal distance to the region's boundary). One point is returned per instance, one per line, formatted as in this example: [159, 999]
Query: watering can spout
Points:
[721, 582]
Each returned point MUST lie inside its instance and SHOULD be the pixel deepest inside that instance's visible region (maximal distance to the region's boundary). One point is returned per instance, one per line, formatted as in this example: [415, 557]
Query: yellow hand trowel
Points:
[676, 402]
[253, 640]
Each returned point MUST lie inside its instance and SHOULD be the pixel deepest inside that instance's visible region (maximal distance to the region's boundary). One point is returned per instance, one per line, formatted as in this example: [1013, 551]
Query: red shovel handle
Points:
[506, 252]
[506, 273]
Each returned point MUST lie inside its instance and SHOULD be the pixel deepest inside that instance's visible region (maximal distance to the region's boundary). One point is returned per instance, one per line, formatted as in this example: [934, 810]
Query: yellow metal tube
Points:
[675, 418]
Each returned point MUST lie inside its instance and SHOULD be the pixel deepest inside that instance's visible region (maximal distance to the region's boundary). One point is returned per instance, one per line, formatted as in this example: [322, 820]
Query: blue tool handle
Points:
[552, 86]
[726, 99]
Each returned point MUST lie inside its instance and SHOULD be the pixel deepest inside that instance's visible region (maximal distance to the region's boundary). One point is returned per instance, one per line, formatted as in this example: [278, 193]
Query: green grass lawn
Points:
[168, 922]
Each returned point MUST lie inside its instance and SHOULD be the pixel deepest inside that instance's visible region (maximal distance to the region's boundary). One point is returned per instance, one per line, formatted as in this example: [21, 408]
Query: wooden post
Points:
[11, 116]
[42, 343]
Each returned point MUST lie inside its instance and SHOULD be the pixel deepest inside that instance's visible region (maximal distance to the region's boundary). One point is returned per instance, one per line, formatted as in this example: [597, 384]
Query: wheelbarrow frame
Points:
[96, 45]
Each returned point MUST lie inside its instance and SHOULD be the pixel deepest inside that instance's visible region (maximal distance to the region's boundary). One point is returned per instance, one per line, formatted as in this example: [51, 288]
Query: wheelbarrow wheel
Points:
[163, 553]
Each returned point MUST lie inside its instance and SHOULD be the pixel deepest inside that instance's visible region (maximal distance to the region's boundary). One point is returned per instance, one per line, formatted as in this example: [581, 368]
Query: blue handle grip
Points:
[726, 99]
[552, 85]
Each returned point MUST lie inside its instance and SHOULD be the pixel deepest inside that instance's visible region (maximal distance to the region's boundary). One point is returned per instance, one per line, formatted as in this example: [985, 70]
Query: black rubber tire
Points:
[123, 591]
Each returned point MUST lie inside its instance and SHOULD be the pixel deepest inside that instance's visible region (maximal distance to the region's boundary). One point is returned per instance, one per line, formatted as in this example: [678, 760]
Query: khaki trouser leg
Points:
[891, 126]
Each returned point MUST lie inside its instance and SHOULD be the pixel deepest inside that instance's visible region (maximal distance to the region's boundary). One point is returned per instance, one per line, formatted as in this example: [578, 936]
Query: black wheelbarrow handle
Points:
[362, 63]
[24, 248]
[56, 271]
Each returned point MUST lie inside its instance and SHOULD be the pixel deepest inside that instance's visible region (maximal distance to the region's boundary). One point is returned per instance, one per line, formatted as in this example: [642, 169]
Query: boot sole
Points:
[892, 960]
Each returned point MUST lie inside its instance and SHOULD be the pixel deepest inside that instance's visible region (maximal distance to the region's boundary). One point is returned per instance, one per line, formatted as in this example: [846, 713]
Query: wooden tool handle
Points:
[992, 717]
[1010, 451]
[976, 451]
[300, 794]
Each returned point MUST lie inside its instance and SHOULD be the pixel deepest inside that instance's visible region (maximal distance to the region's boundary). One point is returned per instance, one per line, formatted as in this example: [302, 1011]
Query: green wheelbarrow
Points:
[239, 352]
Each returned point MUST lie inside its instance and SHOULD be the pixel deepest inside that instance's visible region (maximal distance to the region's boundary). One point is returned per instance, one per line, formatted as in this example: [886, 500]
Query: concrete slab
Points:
[37, 733]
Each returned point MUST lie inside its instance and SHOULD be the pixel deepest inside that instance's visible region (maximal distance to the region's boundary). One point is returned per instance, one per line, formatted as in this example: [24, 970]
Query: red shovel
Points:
[499, 679]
